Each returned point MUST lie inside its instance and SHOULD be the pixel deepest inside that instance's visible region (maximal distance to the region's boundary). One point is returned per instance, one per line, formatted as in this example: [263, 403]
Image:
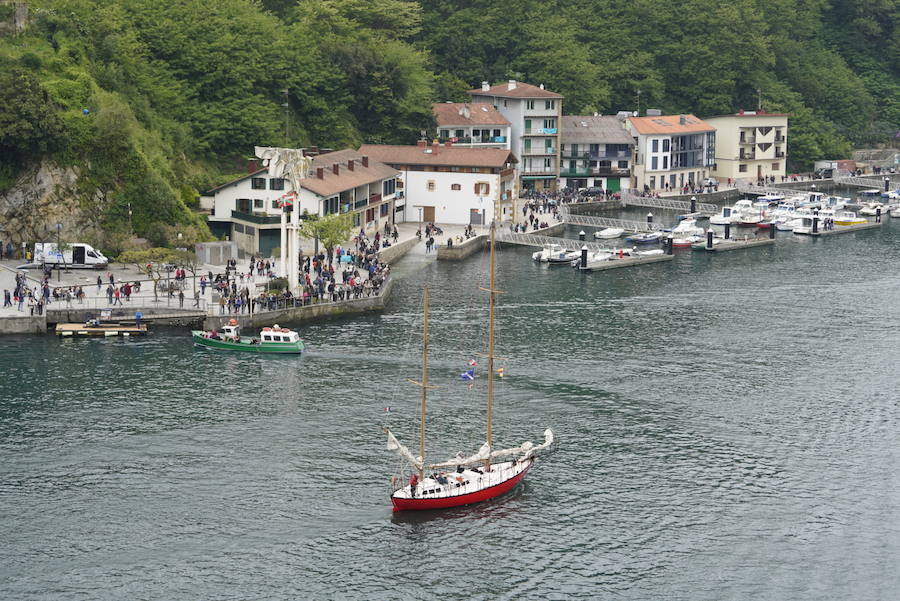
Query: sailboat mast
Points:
[424, 380]
[490, 356]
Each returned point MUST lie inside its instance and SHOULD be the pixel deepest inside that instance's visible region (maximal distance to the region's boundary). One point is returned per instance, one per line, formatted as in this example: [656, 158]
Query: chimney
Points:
[252, 165]
[350, 164]
[365, 161]
[485, 86]
[682, 119]
[511, 85]
[320, 172]
[336, 168]
[421, 143]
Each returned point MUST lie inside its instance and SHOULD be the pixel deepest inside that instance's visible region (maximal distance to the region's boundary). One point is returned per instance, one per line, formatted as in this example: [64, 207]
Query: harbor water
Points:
[728, 429]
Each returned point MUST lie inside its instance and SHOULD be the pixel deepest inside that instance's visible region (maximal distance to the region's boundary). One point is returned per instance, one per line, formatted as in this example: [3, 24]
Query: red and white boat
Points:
[462, 480]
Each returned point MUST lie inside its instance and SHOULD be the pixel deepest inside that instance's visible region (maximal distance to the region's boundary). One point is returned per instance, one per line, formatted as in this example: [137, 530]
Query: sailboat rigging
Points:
[475, 478]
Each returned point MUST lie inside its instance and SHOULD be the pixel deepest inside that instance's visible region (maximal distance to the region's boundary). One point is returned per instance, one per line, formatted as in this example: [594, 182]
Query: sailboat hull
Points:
[484, 494]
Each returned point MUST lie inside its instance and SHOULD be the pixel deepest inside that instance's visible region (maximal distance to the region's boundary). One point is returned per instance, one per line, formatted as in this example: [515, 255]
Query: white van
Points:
[76, 254]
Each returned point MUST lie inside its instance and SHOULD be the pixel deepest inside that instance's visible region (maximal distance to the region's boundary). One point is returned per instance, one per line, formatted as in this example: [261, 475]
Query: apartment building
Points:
[751, 145]
[534, 115]
[596, 151]
[475, 125]
[671, 151]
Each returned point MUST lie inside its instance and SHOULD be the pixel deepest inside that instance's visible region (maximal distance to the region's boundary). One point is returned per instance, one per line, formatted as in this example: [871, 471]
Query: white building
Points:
[452, 184]
[478, 125]
[248, 209]
[596, 151]
[534, 115]
[750, 145]
[671, 151]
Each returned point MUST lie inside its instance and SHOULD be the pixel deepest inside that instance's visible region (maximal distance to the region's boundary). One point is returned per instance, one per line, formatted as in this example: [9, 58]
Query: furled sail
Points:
[394, 445]
[526, 449]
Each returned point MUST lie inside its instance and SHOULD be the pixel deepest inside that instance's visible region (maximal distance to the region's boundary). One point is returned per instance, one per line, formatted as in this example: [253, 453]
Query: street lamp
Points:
[168, 284]
[58, 251]
[130, 228]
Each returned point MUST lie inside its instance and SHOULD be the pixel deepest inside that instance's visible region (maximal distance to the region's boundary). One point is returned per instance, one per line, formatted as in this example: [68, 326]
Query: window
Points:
[654, 163]
[665, 161]
[239, 228]
[504, 103]
[742, 168]
[460, 133]
[666, 145]
[654, 146]
[548, 163]
[482, 188]
[267, 338]
[549, 123]
[455, 187]
[389, 186]
[549, 104]
[445, 133]
[258, 183]
[526, 145]
[529, 104]
[777, 166]
[497, 133]
[274, 204]
[258, 203]
[383, 210]
[624, 164]
[276, 183]
[249, 230]
[430, 185]
[330, 205]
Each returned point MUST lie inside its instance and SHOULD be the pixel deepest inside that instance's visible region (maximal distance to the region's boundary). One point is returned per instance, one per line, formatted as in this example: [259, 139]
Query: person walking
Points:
[221, 304]
[181, 299]
[109, 294]
[7, 301]
[99, 283]
[196, 298]
[117, 297]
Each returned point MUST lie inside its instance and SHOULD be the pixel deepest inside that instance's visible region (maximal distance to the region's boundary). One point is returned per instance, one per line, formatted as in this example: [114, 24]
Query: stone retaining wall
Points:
[306, 313]
[26, 324]
[396, 251]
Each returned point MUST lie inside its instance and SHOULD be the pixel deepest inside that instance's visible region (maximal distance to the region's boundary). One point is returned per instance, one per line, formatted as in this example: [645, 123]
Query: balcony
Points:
[780, 138]
[747, 157]
[597, 156]
[374, 199]
[539, 151]
[474, 140]
[779, 154]
[579, 172]
[254, 218]
[610, 172]
[540, 131]
[540, 170]
[748, 141]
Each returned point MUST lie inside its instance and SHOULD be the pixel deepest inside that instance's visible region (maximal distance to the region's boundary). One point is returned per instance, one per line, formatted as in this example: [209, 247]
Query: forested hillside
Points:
[151, 101]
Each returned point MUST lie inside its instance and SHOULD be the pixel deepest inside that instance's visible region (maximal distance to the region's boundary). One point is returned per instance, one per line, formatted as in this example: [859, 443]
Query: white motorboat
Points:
[784, 224]
[686, 233]
[872, 208]
[804, 225]
[609, 233]
[726, 216]
[895, 210]
[848, 218]
[548, 250]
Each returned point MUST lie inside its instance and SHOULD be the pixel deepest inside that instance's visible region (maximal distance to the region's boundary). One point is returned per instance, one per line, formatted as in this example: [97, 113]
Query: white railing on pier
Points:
[629, 226]
[540, 241]
[868, 181]
[632, 198]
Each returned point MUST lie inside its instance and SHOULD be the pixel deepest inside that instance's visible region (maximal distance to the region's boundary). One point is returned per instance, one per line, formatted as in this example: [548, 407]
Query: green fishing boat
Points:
[275, 340]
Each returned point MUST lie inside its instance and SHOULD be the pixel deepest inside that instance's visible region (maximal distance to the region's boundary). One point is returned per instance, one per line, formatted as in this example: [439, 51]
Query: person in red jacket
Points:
[413, 483]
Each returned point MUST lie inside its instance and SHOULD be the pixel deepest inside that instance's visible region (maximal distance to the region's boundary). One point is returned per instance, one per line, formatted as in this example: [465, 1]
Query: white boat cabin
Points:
[278, 334]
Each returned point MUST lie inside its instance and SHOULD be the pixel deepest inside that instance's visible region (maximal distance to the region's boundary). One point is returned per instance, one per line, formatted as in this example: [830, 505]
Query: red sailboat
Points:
[463, 480]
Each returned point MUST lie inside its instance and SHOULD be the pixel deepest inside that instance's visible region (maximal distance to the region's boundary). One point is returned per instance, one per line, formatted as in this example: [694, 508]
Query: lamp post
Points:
[168, 284]
[130, 227]
[58, 250]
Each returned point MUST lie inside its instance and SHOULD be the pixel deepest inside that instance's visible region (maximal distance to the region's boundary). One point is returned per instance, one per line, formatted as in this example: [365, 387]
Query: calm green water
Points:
[728, 424]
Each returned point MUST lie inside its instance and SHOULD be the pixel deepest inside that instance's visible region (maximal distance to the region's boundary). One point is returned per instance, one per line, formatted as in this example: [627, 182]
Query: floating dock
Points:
[726, 245]
[843, 229]
[625, 262]
[107, 330]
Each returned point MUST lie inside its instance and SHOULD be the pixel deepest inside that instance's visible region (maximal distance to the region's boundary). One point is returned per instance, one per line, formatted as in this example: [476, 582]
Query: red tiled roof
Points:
[345, 179]
[521, 90]
[669, 124]
[444, 156]
[455, 113]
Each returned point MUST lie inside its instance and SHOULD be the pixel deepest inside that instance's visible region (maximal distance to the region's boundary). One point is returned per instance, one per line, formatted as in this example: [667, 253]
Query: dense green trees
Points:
[151, 99]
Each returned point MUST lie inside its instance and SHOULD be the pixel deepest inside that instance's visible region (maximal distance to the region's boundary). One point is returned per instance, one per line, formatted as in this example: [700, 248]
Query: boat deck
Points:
[626, 262]
[726, 245]
[843, 229]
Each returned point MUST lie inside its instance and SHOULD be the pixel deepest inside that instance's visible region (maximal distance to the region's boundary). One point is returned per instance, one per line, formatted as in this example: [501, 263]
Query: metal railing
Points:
[630, 197]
